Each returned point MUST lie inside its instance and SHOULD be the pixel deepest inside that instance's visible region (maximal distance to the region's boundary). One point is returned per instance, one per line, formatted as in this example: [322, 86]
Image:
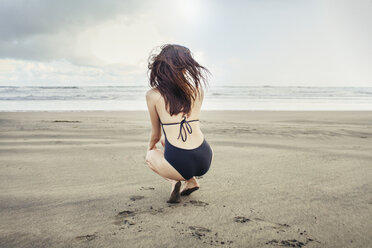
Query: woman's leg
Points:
[156, 161]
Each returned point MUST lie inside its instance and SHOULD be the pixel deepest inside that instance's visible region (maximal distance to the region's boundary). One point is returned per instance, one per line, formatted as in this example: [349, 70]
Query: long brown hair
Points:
[177, 76]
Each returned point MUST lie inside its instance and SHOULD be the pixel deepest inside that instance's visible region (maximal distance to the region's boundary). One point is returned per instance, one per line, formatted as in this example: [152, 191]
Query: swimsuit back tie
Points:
[184, 126]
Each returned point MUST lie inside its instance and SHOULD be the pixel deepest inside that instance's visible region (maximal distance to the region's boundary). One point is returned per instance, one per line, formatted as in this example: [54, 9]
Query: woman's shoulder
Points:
[153, 95]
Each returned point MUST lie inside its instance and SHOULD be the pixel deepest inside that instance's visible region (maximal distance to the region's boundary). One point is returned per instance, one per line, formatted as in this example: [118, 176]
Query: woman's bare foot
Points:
[175, 195]
[190, 186]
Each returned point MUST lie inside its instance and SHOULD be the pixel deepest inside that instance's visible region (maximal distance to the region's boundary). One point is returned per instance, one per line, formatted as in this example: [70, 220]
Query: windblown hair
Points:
[177, 76]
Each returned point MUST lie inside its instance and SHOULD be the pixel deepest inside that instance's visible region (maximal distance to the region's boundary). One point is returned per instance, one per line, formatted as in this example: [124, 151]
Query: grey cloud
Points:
[22, 18]
[46, 29]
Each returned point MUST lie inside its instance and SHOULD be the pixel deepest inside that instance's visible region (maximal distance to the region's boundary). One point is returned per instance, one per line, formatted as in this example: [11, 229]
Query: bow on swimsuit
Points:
[188, 162]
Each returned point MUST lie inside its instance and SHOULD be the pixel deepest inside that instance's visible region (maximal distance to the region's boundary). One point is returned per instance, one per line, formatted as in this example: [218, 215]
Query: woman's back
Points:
[172, 132]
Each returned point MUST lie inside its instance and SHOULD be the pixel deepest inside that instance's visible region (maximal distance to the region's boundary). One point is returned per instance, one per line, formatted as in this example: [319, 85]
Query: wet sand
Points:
[278, 179]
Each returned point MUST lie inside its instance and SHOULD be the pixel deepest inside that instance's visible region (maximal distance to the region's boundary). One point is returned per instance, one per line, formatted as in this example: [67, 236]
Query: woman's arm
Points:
[155, 135]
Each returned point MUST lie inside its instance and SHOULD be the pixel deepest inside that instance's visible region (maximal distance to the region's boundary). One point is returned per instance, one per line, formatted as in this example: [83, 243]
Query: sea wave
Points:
[216, 97]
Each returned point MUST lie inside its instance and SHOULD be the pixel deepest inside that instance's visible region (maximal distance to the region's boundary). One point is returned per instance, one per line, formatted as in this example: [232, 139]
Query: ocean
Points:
[224, 97]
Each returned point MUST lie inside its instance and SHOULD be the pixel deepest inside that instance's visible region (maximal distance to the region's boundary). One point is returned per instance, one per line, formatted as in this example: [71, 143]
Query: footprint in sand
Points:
[66, 121]
[280, 226]
[206, 236]
[241, 219]
[121, 217]
[126, 216]
[196, 203]
[147, 188]
[136, 197]
[198, 231]
[87, 237]
[126, 213]
[154, 211]
[289, 242]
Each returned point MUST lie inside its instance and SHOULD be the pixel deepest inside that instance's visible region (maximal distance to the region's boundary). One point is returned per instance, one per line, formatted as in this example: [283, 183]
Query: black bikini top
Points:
[183, 123]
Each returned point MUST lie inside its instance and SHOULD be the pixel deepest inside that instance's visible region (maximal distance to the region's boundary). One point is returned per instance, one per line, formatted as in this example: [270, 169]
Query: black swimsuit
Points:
[188, 162]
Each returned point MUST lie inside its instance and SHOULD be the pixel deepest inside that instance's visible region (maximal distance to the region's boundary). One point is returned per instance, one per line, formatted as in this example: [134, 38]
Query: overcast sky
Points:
[251, 42]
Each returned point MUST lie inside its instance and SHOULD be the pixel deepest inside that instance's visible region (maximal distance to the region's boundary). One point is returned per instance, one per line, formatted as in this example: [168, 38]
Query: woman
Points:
[174, 104]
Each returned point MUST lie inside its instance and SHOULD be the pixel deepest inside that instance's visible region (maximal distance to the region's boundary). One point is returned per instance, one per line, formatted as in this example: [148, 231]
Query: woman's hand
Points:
[152, 143]
[149, 148]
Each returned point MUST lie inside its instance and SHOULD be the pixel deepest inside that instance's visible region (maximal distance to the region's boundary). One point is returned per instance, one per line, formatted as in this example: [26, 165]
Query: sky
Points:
[251, 42]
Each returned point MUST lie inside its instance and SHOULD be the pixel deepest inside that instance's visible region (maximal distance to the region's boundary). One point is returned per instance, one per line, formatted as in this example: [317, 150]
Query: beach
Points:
[278, 178]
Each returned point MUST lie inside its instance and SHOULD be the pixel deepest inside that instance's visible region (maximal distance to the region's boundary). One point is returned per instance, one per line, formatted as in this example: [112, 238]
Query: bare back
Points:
[194, 139]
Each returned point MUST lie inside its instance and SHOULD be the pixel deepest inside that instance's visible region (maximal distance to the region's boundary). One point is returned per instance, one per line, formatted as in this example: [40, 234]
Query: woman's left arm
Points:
[155, 135]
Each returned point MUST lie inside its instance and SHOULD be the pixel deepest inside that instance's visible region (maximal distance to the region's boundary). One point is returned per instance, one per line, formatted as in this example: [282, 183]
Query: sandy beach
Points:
[292, 179]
